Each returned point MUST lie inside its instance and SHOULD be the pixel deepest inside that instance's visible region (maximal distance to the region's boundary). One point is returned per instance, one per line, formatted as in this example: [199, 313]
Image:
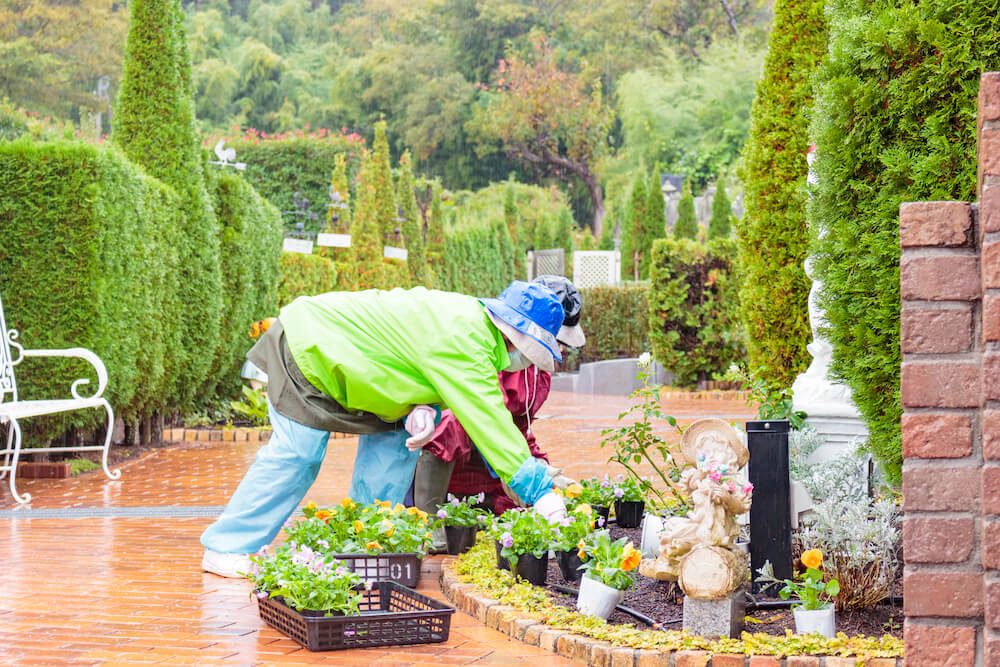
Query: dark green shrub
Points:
[655, 225]
[478, 259]
[305, 275]
[87, 260]
[773, 233]
[250, 249]
[693, 328]
[686, 226]
[154, 126]
[895, 121]
[615, 321]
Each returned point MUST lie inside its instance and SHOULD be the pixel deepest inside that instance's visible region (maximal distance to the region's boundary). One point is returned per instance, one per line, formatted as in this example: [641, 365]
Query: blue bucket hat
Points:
[532, 313]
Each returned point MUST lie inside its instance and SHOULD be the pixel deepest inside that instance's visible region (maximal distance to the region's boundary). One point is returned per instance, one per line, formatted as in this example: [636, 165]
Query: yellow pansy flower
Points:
[347, 502]
[573, 490]
[389, 526]
[310, 507]
[398, 508]
[358, 526]
[583, 508]
[630, 558]
[383, 503]
[812, 558]
[413, 511]
[373, 545]
[322, 515]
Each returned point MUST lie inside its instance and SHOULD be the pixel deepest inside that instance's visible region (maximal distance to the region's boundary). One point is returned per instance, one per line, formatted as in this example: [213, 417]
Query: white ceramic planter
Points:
[823, 621]
[649, 544]
[596, 599]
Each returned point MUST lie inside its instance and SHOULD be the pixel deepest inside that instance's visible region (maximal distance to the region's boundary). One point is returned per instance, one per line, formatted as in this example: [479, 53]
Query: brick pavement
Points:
[124, 586]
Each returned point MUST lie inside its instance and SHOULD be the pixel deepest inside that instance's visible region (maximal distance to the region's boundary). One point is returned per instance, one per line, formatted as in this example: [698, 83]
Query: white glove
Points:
[551, 506]
[559, 480]
[420, 425]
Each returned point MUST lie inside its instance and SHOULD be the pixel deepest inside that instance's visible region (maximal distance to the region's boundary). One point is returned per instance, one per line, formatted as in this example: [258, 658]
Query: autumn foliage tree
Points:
[549, 118]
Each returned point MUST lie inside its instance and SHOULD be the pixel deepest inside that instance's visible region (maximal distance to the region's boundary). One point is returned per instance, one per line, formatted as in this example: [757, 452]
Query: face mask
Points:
[518, 362]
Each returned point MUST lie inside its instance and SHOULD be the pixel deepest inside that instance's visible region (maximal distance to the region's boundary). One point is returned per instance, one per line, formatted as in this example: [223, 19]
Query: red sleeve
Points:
[525, 391]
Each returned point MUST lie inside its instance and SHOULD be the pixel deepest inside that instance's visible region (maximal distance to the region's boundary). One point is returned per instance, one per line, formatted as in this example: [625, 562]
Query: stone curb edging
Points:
[236, 434]
[706, 395]
[598, 653]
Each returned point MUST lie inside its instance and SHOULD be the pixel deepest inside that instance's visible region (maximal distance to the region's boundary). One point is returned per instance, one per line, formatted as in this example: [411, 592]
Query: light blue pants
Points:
[383, 468]
[273, 487]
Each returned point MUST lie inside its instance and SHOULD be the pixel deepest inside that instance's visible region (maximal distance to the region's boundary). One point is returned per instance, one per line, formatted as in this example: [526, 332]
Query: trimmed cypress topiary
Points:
[773, 234]
[412, 223]
[154, 126]
[719, 226]
[380, 178]
[686, 226]
[635, 221]
[655, 226]
[895, 121]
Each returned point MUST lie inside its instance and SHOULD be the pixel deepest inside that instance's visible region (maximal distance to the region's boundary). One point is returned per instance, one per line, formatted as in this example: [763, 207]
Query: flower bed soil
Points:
[662, 602]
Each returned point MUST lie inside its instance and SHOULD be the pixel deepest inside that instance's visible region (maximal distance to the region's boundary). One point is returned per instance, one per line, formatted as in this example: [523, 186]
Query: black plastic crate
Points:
[404, 569]
[390, 615]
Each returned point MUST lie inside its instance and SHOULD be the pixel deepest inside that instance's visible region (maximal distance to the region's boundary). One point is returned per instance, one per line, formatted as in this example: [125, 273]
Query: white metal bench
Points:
[12, 410]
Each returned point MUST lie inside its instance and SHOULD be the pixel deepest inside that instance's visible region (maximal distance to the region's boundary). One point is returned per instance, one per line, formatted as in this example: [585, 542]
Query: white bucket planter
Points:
[649, 544]
[823, 621]
[596, 599]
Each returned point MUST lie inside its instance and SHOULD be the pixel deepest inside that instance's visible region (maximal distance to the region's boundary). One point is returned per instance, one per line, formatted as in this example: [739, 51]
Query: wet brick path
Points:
[100, 572]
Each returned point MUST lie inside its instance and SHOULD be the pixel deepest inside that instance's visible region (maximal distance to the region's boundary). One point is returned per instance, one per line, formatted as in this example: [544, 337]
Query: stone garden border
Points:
[588, 651]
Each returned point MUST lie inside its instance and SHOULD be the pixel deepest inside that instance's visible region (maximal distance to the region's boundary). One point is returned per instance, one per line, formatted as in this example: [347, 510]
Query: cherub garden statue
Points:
[717, 452]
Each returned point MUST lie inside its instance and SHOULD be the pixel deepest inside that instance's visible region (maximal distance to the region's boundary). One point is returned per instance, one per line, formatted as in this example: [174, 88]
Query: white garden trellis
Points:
[13, 409]
[596, 268]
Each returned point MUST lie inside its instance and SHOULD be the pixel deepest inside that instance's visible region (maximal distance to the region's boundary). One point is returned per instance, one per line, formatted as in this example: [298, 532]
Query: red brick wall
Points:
[950, 337]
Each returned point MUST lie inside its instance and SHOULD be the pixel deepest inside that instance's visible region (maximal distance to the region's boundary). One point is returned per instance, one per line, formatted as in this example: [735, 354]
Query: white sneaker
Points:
[234, 566]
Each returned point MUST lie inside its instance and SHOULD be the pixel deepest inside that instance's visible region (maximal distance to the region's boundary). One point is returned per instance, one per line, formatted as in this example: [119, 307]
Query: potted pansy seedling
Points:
[311, 582]
[629, 502]
[461, 519]
[607, 577]
[525, 538]
[814, 611]
[393, 538]
[598, 493]
[569, 536]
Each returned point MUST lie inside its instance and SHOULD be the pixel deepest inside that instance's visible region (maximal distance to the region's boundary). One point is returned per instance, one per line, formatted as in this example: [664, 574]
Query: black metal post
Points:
[770, 514]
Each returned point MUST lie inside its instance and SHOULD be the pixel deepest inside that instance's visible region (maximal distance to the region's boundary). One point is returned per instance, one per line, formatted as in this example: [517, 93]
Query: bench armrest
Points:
[80, 353]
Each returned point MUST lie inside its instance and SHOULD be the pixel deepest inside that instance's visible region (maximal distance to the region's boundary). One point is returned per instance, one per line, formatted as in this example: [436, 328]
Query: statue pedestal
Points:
[716, 618]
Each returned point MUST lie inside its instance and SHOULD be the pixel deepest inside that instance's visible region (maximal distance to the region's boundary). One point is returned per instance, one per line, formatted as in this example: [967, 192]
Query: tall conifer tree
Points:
[154, 127]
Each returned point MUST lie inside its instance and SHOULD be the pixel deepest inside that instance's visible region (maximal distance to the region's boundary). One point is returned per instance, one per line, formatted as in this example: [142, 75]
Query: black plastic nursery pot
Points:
[502, 563]
[534, 570]
[460, 538]
[569, 561]
[602, 511]
[628, 513]
[402, 568]
[389, 615]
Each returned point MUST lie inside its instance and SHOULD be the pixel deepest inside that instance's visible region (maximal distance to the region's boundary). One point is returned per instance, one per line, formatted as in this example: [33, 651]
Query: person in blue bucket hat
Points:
[381, 364]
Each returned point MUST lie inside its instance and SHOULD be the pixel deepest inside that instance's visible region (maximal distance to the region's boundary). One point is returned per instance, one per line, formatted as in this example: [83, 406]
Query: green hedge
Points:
[477, 260]
[895, 121]
[280, 166]
[88, 259]
[692, 308]
[774, 237]
[615, 321]
[249, 251]
[305, 275]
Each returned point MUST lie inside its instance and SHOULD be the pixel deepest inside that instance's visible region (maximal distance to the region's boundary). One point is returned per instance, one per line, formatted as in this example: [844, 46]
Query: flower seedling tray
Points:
[390, 615]
[402, 568]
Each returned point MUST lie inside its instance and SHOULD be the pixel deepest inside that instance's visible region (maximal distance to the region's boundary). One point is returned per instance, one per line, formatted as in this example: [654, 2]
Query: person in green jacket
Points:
[375, 362]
